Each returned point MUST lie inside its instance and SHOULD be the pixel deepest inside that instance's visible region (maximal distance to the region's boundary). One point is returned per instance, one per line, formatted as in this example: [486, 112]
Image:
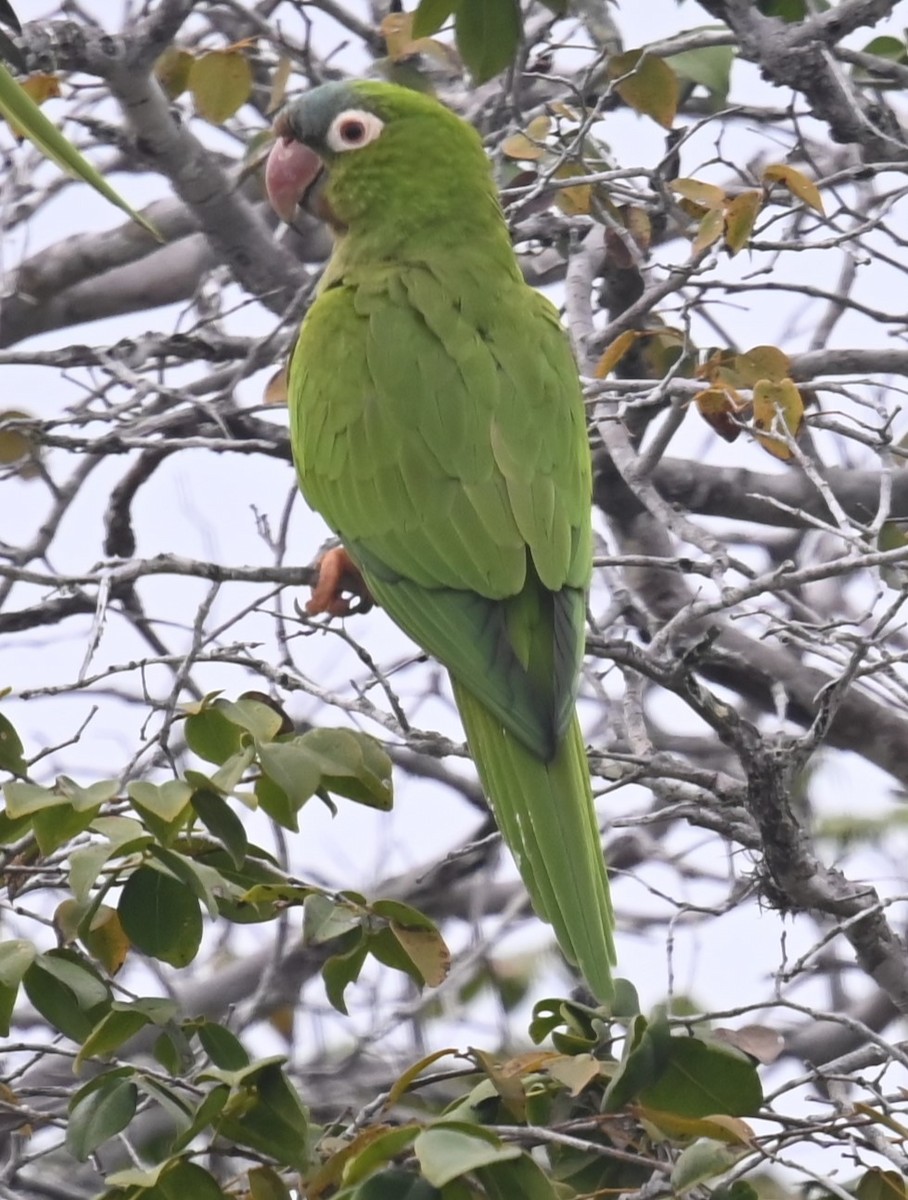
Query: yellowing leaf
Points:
[412, 1073]
[646, 84]
[721, 1128]
[573, 201]
[740, 214]
[220, 82]
[779, 410]
[797, 183]
[105, 939]
[518, 145]
[397, 30]
[614, 353]
[637, 223]
[16, 446]
[760, 362]
[575, 1071]
[279, 81]
[711, 229]
[38, 88]
[530, 144]
[706, 195]
[426, 950]
[41, 87]
[172, 71]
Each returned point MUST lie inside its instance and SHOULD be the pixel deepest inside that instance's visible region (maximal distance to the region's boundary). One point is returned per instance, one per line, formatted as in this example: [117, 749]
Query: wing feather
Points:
[448, 450]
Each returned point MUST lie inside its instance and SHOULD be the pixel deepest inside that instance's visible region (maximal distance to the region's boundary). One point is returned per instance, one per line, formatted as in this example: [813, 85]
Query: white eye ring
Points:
[353, 129]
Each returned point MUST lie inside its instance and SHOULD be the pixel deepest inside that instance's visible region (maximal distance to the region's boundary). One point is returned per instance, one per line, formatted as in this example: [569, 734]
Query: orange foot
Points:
[337, 574]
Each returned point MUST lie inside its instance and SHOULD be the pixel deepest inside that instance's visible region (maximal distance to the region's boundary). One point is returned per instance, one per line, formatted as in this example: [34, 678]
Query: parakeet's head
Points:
[362, 152]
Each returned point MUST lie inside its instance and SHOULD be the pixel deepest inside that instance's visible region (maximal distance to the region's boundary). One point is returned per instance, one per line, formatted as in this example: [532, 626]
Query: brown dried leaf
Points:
[759, 1041]
[614, 353]
[276, 389]
[719, 407]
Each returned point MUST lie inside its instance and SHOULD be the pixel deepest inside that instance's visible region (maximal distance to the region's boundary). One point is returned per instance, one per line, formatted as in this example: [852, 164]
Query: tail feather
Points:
[546, 815]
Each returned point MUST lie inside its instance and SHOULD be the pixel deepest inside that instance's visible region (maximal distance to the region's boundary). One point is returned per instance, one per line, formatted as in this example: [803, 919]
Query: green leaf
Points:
[12, 829]
[223, 1048]
[100, 1115]
[18, 107]
[56, 826]
[710, 66]
[212, 735]
[16, 956]
[449, 1149]
[876, 1184]
[222, 823]
[11, 749]
[203, 881]
[115, 1028]
[488, 35]
[66, 991]
[173, 1051]
[703, 1160]
[431, 15]
[257, 718]
[266, 1184]
[647, 1054]
[701, 1078]
[291, 767]
[187, 1179]
[23, 799]
[397, 1184]
[167, 801]
[325, 919]
[378, 1150]
[522, 1177]
[343, 969]
[268, 1115]
[352, 765]
[161, 916]
[789, 10]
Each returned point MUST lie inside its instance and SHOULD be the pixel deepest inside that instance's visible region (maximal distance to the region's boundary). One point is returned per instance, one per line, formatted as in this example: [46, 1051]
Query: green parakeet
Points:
[437, 425]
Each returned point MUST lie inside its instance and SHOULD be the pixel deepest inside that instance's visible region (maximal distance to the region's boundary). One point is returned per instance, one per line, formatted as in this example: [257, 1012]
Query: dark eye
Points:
[352, 132]
[352, 129]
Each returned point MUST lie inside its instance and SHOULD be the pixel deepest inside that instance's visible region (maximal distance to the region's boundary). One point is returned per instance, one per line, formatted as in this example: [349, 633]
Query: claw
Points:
[338, 574]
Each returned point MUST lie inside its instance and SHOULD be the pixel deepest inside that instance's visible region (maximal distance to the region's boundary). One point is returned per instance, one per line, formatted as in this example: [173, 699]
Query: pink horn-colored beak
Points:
[291, 170]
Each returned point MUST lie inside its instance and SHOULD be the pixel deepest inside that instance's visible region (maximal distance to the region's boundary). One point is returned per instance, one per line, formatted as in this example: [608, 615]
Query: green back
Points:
[446, 444]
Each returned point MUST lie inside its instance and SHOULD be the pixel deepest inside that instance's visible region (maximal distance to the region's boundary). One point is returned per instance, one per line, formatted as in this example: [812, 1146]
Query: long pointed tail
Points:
[545, 813]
